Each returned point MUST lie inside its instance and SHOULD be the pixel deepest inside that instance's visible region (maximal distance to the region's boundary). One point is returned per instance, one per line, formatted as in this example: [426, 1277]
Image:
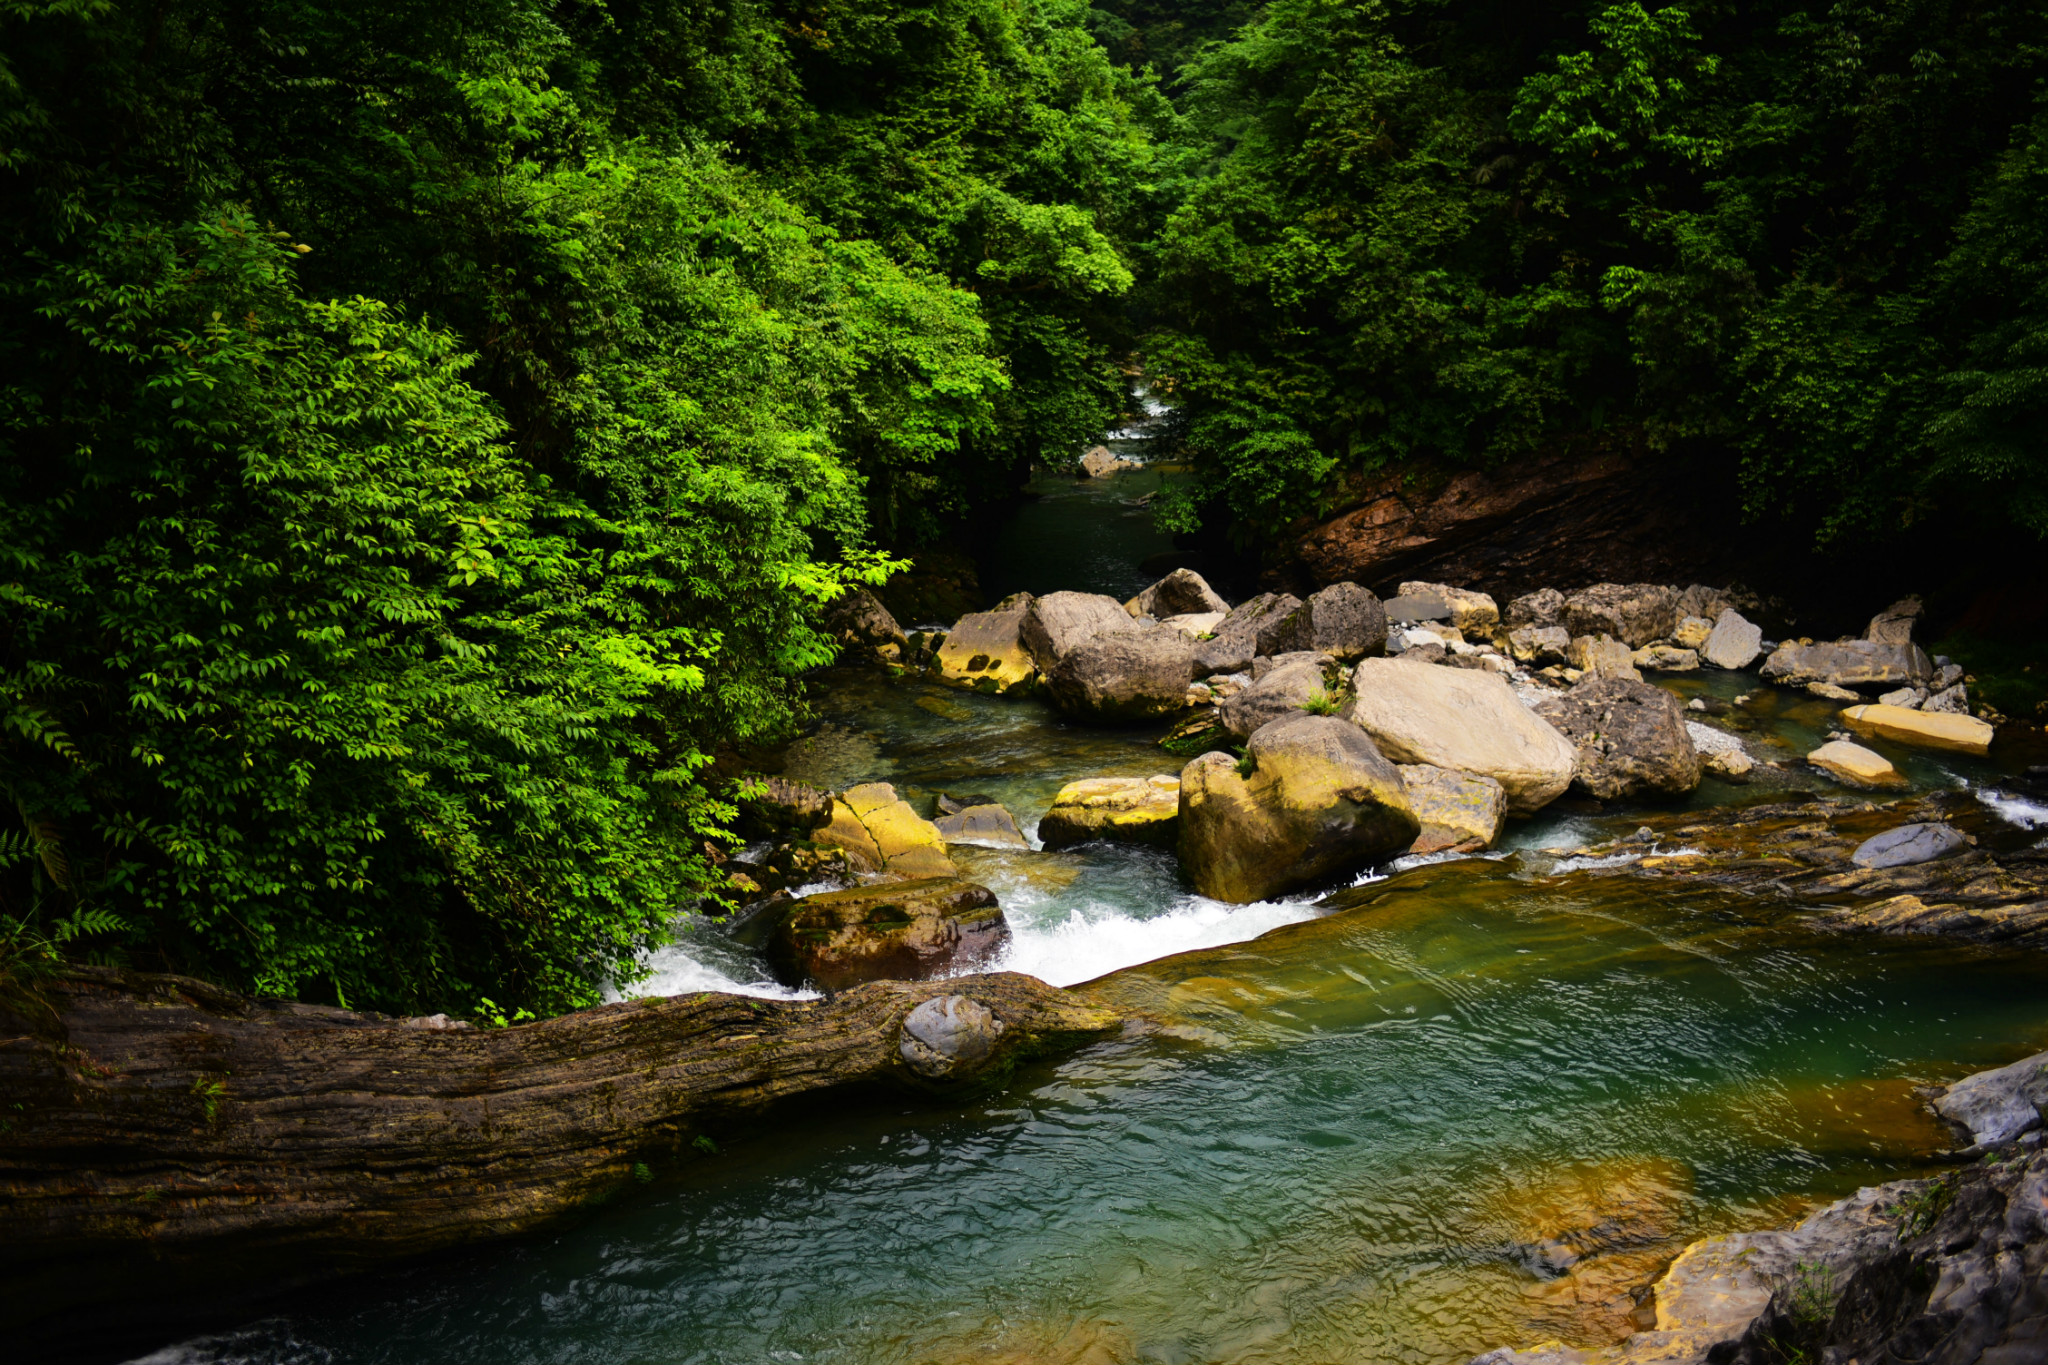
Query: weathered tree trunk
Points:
[214, 1137]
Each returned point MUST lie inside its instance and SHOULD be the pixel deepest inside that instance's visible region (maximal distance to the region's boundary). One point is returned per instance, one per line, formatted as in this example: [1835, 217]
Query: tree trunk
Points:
[155, 1126]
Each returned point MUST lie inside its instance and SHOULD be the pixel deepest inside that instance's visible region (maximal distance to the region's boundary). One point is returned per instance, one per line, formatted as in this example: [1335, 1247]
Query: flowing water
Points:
[1483, 1105]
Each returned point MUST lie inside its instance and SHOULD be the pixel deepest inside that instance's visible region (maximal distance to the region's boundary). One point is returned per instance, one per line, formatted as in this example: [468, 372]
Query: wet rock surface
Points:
[1319, 797]
[1802, 853]
[907, 931]
[1909, 844]
[1630, 738]
[1132, 810]
[1951, 1271]
[1460, 812]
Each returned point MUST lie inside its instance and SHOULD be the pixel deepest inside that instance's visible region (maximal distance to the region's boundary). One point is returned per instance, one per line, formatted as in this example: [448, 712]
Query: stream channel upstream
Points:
[1360, 1138]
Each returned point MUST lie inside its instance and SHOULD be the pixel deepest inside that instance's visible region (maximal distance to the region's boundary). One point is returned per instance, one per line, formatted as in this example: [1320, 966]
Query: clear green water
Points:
[1339, 1142]
[1330, 1154]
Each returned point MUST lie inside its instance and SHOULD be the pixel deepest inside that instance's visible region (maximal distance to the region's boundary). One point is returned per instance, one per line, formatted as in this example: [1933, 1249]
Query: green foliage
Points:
[428, 434]
[1195, 743]
[1793, 242]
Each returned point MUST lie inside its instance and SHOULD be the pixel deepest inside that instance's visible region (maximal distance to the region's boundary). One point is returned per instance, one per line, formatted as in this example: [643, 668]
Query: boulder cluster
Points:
[1326, 733]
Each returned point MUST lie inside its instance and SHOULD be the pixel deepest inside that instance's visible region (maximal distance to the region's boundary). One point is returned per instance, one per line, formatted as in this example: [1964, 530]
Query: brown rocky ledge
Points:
[166, 1134]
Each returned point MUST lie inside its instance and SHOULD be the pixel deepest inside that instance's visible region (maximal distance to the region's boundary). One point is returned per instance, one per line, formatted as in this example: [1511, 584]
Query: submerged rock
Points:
[1465, 720]
[1630, 737]
[1135, 675]
[1343, 619]
[1927, 729]
[985, 650]
[1460, 812]
[1131, 810]
[1181, 593]
[904, 931]
[1319, 798]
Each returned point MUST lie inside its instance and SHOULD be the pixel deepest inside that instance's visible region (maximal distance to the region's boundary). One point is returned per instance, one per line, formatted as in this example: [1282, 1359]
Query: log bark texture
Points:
[207, 1136]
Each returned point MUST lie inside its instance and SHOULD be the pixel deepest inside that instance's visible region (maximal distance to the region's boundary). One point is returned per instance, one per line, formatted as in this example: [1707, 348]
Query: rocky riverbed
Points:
[1511, 941]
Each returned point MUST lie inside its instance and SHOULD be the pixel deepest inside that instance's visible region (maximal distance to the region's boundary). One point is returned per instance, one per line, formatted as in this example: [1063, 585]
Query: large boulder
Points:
[1061, 622]
[1634, 613]
[1474, 613]
[1544, 607]
[1463, 719]
[1181, 593]
[1280, 692]
[880, 832]
[1251, 629]
[1926, 729]
[1318, 798]
[985, 650]
[859, 621]
[1848, 663]
[1125, 810]
[1124, 677]
[902, 931]
[1733, 642]
[1343, 619]
[1631, 739]
[1460, 812]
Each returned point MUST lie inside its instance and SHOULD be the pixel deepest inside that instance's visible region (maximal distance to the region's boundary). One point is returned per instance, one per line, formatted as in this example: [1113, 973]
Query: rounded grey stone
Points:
[948, 1035]
[1908, 844]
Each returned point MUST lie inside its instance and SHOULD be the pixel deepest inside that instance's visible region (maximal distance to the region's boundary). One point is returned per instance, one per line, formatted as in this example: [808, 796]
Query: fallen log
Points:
[158, 1127]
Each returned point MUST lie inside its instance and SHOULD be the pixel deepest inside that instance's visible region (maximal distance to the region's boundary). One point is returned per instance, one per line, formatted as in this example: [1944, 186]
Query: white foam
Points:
[1093, 939]
[674, 971]
[2015, 810]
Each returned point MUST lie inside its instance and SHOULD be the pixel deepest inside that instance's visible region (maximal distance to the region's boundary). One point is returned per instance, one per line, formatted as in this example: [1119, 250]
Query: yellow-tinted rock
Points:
[1130, 810]
[1928, 729]
[1457, 810]
[1856, 765]
[983, 650]
[881, 833]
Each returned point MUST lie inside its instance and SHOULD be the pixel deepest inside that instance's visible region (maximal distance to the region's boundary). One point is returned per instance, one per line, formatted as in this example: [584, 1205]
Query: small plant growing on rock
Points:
[1323, 702]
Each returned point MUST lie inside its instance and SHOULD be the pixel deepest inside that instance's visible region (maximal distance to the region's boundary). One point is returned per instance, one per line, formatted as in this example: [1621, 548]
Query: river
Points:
[1381, 1135]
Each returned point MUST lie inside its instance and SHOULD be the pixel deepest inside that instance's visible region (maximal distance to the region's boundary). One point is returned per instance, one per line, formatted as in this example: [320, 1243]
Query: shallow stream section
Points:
[1485, 1104]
